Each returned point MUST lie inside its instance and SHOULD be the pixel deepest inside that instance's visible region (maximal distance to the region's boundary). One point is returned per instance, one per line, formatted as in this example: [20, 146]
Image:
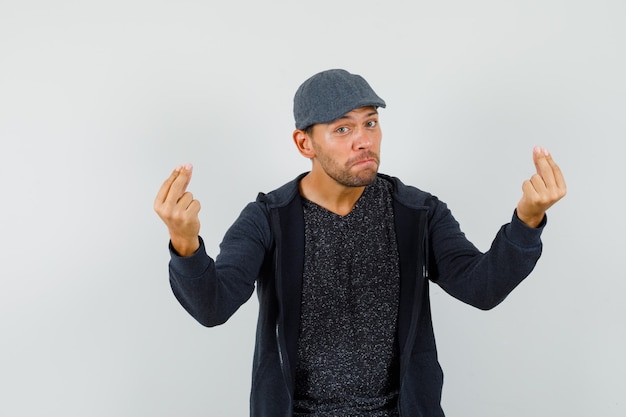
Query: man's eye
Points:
[342, 130]
[371, 123]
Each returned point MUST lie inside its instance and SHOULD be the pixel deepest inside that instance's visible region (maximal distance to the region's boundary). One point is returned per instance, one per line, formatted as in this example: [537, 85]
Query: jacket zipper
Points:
[275, 227]
[424, 272]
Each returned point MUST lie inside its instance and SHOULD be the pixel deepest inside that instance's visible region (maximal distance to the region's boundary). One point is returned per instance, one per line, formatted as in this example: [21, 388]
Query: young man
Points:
[341, 258]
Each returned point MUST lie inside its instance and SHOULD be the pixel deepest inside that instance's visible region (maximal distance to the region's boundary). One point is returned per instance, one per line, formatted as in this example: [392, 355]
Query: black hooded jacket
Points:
[265, 248]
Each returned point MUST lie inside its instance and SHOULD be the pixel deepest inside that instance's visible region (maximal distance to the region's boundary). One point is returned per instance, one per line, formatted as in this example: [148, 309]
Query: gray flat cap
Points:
[330, 94]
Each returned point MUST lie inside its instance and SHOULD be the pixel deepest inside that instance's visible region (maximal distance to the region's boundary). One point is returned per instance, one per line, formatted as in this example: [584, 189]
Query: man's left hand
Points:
[542, 190]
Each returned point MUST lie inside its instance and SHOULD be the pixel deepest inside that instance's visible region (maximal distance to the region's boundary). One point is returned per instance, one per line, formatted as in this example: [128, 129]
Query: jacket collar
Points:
[406, 195]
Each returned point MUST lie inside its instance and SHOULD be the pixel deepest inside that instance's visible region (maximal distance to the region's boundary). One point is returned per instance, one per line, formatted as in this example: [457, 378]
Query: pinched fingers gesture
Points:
[179, 211]
[542, 190]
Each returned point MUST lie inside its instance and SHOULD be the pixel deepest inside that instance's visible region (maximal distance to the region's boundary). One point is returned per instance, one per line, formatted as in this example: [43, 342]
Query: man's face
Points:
[348, 149]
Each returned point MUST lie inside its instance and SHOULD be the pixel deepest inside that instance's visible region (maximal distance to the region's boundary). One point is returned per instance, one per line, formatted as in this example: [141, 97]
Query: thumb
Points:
[539, 154]
[186, 173]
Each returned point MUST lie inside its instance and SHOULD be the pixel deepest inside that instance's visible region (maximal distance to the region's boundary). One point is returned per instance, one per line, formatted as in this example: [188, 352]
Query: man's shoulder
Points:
[409, 195]
[282, 195]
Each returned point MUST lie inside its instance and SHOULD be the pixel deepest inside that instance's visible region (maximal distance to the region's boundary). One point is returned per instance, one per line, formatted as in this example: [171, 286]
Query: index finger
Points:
[548, 169]
[543, 166]
[558, 174]
[175, 185]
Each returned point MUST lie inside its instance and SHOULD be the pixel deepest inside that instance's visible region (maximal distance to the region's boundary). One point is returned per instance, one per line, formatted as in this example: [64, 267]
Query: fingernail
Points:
[546, 152]
[188, 167]
[537, 149]
[178, 168]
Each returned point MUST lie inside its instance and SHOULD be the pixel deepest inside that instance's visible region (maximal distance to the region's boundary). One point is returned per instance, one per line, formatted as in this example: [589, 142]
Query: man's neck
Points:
[328, 193]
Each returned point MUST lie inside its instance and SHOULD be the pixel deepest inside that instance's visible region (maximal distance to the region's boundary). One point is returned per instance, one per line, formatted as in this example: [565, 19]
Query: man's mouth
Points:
[367, 159]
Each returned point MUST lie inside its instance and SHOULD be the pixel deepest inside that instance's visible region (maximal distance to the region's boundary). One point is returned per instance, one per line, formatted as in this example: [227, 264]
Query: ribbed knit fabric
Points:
[347, 350]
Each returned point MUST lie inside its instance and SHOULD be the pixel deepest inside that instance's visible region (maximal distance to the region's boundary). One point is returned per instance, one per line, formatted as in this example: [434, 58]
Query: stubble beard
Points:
[345, 177]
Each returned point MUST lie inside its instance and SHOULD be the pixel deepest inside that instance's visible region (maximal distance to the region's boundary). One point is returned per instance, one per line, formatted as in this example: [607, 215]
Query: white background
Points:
[99, 101]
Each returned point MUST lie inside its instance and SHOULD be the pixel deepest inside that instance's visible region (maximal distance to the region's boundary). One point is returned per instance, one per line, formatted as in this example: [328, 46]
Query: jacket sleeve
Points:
[212, 290]
[482, 280]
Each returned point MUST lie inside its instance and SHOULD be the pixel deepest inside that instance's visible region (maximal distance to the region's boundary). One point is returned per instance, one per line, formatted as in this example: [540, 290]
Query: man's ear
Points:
[303, 143]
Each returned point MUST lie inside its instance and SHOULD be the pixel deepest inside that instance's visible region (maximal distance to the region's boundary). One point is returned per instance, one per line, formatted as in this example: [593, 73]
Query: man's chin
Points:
[365, 178]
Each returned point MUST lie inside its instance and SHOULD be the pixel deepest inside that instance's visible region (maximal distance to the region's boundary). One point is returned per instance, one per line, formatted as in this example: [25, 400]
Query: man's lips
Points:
[364, 160]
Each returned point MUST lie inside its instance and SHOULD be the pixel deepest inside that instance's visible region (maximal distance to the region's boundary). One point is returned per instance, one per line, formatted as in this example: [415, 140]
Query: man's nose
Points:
[362, 139]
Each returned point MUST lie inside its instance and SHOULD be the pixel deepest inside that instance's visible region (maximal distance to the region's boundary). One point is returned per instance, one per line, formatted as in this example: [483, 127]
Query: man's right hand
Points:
[179, 211]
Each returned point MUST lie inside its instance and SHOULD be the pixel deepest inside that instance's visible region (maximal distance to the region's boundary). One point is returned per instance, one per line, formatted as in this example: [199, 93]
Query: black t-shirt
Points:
[347, 348]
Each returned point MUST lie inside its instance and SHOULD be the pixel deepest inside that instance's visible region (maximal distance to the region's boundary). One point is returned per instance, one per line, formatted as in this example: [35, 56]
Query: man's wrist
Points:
[184, 246]
[531, 221]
